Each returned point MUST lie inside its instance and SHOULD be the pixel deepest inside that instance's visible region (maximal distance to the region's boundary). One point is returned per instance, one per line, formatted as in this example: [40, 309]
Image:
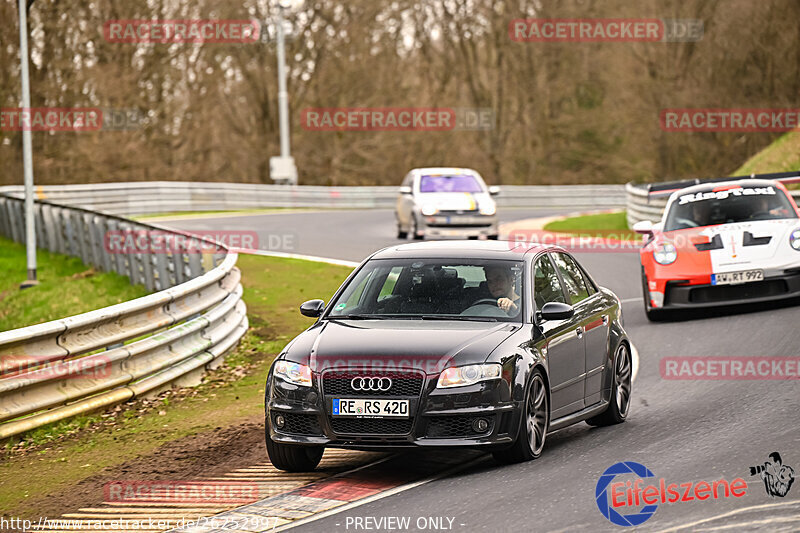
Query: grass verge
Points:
[67, 287]
[783, 155]
[178, 215]
[611, 225]
[56, 456]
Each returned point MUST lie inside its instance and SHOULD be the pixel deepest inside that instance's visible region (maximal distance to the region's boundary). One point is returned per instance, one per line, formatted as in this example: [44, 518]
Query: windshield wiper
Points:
[460, 317]
[371, 317]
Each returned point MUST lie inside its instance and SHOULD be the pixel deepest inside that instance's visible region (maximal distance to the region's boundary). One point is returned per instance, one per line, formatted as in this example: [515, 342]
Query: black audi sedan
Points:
[483, 344]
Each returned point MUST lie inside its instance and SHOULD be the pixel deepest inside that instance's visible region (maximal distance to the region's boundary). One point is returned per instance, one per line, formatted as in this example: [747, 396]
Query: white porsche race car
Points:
[721, 243]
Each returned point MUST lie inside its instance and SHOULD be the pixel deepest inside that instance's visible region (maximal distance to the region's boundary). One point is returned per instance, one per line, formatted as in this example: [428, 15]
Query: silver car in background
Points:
[446, 202]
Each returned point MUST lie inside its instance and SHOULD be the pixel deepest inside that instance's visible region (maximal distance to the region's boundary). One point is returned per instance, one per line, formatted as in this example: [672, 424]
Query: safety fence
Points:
[58, 369]
[167, 197]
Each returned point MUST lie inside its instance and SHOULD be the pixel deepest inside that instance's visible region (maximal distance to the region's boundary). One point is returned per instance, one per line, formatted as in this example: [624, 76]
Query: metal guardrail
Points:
[57, 369]
[162, 197]
[641, 206]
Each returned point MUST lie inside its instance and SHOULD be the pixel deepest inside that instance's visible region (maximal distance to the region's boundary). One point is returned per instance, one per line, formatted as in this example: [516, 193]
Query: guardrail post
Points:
[48, 227]
[17, 221]
[195, 264]
[4, 226]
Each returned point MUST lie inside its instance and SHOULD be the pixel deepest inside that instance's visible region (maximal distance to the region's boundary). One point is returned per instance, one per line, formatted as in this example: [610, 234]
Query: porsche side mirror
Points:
[645, 227]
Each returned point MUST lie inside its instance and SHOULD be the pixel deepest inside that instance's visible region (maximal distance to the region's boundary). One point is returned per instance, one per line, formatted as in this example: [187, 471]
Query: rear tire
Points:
[534, 422]
[400, 233]
[293, 458]
[619, 406]
[493, 237]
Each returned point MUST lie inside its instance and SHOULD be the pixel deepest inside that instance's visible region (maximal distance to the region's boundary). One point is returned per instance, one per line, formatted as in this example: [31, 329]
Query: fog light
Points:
[280, 421]
[480, 425]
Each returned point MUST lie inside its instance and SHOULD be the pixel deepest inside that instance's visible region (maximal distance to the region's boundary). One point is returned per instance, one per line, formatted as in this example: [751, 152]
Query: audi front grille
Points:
[404, 384]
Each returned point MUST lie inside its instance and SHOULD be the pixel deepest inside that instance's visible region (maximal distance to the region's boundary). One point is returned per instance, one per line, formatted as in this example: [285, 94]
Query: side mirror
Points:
[404, 190]
[494, 190]
[312, 308]
[557, 311]
[645, 227]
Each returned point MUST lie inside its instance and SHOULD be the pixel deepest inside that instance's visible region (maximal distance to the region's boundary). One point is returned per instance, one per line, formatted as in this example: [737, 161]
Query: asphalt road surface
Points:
[683, 431]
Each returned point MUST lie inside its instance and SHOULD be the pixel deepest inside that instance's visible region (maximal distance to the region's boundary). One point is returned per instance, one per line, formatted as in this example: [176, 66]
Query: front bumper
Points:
[461, 225]
[438, 417]
[682, 295]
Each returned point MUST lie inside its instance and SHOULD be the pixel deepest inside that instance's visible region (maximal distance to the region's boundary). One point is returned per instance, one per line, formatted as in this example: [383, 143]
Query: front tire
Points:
[415, 233]
[620, 403]
[293, 458]
[653, 315]
[534, 422]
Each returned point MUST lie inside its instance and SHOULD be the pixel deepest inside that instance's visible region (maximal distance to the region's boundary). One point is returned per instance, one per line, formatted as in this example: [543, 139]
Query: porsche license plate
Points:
[734, 278]
[372, 408]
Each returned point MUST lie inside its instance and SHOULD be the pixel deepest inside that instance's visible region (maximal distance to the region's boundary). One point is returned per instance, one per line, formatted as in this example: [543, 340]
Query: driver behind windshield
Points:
[500, 282]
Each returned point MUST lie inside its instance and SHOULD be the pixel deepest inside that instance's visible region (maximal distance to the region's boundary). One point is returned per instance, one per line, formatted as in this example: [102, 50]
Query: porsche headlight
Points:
[294, 373]
[794, 239]
[429, 209]
[458, 376]
[666, 254]
[488, 208]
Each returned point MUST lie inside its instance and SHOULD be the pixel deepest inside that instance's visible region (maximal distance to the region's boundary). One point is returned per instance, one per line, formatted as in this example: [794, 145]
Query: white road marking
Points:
[730, 513]
[634, 362]
[381, 495]
[314, 258]
[629, 300]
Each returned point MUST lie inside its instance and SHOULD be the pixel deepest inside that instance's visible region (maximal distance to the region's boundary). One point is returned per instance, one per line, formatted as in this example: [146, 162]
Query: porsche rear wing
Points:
[656, 190]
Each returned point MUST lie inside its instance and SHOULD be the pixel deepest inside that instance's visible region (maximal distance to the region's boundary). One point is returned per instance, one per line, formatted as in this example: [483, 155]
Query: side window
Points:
[546, 287]
[572, 276]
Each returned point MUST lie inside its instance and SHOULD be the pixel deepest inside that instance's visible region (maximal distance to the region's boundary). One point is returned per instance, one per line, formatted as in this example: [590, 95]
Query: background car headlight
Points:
[488, 208]
[666, 254]
[293, 373]
[429, 210]
[794, 239]
[458, 376]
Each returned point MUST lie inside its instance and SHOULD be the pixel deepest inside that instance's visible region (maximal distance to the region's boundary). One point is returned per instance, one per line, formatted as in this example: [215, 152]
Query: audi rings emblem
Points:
[371, 384]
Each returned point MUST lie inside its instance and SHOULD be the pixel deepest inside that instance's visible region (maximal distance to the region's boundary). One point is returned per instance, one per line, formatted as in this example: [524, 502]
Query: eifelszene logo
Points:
[615, 497]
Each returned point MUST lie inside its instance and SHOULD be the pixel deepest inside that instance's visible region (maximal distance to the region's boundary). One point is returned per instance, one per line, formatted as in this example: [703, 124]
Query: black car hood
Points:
[420, 344]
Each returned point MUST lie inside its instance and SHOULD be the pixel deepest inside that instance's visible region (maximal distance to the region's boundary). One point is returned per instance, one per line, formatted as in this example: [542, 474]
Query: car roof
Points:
[706, 187]
[463, 249]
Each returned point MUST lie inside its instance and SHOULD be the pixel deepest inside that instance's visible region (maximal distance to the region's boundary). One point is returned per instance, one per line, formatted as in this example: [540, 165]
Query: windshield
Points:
[436, 289]
[460, 183]
[728, 205]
